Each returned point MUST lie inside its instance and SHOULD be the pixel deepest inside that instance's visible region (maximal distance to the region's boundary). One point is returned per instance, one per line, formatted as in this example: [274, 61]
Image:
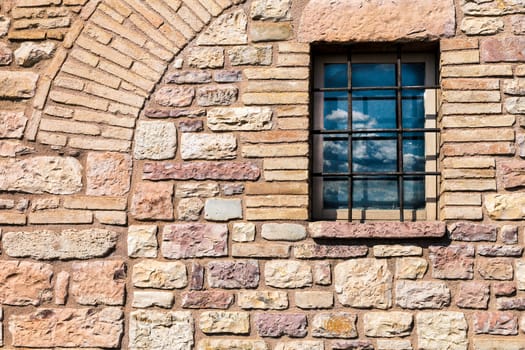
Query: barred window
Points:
[378, 162]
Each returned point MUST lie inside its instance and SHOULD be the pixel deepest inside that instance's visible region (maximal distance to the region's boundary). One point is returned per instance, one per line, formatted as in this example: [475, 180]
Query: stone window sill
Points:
[399, 230]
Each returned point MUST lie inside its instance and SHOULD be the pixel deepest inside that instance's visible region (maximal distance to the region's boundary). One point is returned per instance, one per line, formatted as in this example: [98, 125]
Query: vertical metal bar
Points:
[349, 121]
[399, 121]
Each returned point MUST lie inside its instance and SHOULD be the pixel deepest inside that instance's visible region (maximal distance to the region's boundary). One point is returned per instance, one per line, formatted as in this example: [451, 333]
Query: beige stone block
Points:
[471, 108]
[388, 324]
[93, 74]
[17, 84]
[461, 213]
[257, 250]
[84, 56]
[79, 100]
[298, 163]
[277, 86]
[264, 300]
[275, 98]
[285, 175]
[103, 118]
[471, 96]
[263, 31]
[212, 322]
[293, 123]
[469, 185]
[190, 18]
[228, 344]
[478, 70]
[47, 138]
[275, 136]
[439, 330]
[478, 121]
[469, 162]
[314, 300]
[397, 250]
[283, 73]
[111, 217]
[411, 268]
[7, 218]
[70, 127]
[505, 206]
[97, 203]
[272, 214]
[293, 47]
[243, 232]
[470, 84]
[287, 274]
[264, 188]
[104, 51]
[482, 25]
[457, 43]
[460, 57]
[455, 199]
[276, 201]
[478, 135]
[61, 216]
[228, 29]
[100, 144]
[293, 60]
[468, 173]
[287, 150]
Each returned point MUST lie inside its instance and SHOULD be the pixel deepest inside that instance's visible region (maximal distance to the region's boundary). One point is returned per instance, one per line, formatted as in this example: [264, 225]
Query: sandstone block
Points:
[228, 344]
[520, 274]
[315, 251]
[189, 77]
[208, 146]
[206, 57]
[334, 325]
[322, 273]
[283, 232]
[515, 105]
[397, 250]
[155, 140]
[508, 206]
[514, 303]
[175, 96]
[300, 345]
[87, 327]
[514, 87]
[189, 209]
[63, 245]
[442, 330]
[422, 295]
[314, 300]
[63, 175]
[452, 262]
[363, 283]
[4, 25]
[278, 325]
[207, 299]
[12, 124]
[61, 216]
[152, 201]
[17, 84]
[287, 274]
[273, 10]
[490, 344]
[181, 241]
[411, 268]
[212, 322]
[260, 250]
[150, 329]
[98, 282]
[500, 250]
[6, 54]
[196, 189]
[243, 232]
[471, 232]
[332, 229]
[388, 324]
[481, 25]
[30, 53]
[142, 241]
[473, 295]
[25, 283]
[233, 274]
[509, 234]
[217, 209]
[202, 171]
[508, 49]
[261, 31]
[161, 275]
[239, 118]
[263, 300]
[391, 344]
[227, 76]
[504, 289]
[495, 323]
[228, 29]
[150, 299]
[352, 345]
[217, 95]
[197, 276]
[495, 269]
[108, 173]
[250, 55]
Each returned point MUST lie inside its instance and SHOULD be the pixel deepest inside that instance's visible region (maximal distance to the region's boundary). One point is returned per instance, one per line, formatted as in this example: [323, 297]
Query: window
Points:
[378, 162]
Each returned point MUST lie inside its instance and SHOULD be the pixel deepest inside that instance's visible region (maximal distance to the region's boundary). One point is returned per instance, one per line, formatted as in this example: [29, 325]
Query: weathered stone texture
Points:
[213, 322]
[68, 327]
[25, 283]
[422, 295]
[411, 268]
[228, 344]
[283, 232]
[233, 274]
[142, 299]
[12, 124]
[155, 140]
[158, 274]
[496, 323]
[363, 283]
[388, 324]
[239, 118]
[505, 206]
[160, 330]
[328, 229]
[17, 84]
[228, 29]
[452, 262]
[473, 295]
[215, 299]
[217, 95]
[468, 231]
[55, 175]
[175, 96]
[64, 245]
[152, 201]
[142, 241]
[216, 209]
[263, 300]
[208, 146]
[30, 53]
[194, 240]
[441, 330]
[287, 274]
[334, 325]
[108, 174]
[278, 325]
[312, 250]
[202, 171]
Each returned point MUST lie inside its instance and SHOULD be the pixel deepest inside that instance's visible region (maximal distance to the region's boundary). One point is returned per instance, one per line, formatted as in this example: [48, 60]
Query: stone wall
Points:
[154, 180]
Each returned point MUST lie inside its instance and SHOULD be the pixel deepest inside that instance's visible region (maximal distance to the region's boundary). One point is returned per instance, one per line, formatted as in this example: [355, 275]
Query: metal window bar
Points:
[399, 131]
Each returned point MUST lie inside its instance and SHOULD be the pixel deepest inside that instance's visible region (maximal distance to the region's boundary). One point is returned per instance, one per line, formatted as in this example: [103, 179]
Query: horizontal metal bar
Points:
[393, 87]
[371, 131]
[378, 173]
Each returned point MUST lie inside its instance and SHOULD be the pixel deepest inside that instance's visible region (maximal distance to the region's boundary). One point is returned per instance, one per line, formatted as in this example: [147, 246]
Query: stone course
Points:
[155, 186]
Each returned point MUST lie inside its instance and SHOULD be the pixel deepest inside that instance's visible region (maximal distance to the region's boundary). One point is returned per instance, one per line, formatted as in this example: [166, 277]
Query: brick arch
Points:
[376, 20]
[116, 58]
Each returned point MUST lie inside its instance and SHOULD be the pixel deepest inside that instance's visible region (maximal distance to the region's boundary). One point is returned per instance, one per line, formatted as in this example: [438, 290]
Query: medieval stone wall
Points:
[154, 180]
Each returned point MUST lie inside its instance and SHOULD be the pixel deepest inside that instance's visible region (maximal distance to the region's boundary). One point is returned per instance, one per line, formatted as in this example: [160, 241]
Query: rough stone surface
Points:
[397, 250]
[422, 294]
[510, 49]
[150, 329]
[6, 54]
[411, 268]
[511, 174]
[108, 174]
[263, 300]
[500, 250]
[155, 140]
[310, 251]
[262, 31]
[495, 323]
[504, 289]
[274, 10]
[505, 206]
[63, 245]
[159, 274]
[363, 283]
[344, 21]
[194, 240]
[233, 274]
[520, 274]
[330, 229]
[98, 282]
[243, 232]
[492, 344]
[387, 324]
[334, 325]
[228, 344]
[218, 209]
[4, 25]
[142, 241]
[352, 345]
[441, 330]
[473, 295]
[207, 300]
[208, 146]
[278, 325]
[30, 53]
[228, 29]
[175, 96]
[472, 232]
[152, 201]
[283, 232]
[202, 171]
[250, 55]
[143, 299]
[495, 269]
[481, 26]
[25, 283]
[17, 84]
[196, 189]
[206, 57]
[217, 95]
[189, 77]
[86, 327]
[239, 118]
[322, 273]
[391, 344]
[12, 124]
[212, 322]
[55, 175]
[452, 262]
[189, 209]
[287, 274]
[314, 299]
[300, 345]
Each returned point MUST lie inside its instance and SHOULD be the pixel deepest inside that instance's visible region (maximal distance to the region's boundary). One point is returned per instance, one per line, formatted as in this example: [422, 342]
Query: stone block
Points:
[61, 288]
[155, 140]
[391, 344]
[262, 31]
[500, 250]
[332, 229]
[316, 251]
[30, 53]
[228, 344]
[509, 49]
[271, 10]
[322, 271]
[283, 232]
[213, 322]
[194, 240]
[12, 124]
[189, 77]
[511, 174]
[411, 268]
[495, 323]
[481, 25]
[206, 57]
[472, 232]
[189, 209]
[278, 325]
[147, 299]
[441, 330]
[25, 283]
[159, 274]
[396, 250]
[452, 262]
[363, 283]
[239, 118]
[505, 206]
[207, 299]
[334, 325]
[217, 209]
[495, 269]
[227, 29]
[17, 84]
[260, 250]
[208, 146]
[520, 274]
[314, 300]
[142, 241]
[175, 96]
[243, 232]
[264, 300]
[422, 295]
[221, 95]
[202, 171]
[250, 55]
[473, 295]
[108, 174]
[352, 345]
[388, 324]
[152, 201]
[287, 274]
[233, 274]
[196, 189]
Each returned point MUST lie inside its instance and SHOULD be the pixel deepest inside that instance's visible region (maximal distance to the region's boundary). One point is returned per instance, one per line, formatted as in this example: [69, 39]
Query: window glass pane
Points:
[374, 152]
[335, 110]
[335, 194]
[373, 109]
[373, 74]
[335, 154]
[413, 152]
[335, 75]
[375, 193]
[413, 74]
[414, 192]
[413, 106]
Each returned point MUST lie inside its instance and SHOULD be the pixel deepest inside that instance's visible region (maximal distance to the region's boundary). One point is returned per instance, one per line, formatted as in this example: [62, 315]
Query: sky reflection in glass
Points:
[373, 152]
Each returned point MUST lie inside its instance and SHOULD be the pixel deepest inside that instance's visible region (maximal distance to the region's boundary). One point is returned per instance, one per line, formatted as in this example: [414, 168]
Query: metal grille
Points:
[351, 135]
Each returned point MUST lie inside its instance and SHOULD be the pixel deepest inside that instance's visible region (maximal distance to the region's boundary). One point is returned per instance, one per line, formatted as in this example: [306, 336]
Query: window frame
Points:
[398, 55]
